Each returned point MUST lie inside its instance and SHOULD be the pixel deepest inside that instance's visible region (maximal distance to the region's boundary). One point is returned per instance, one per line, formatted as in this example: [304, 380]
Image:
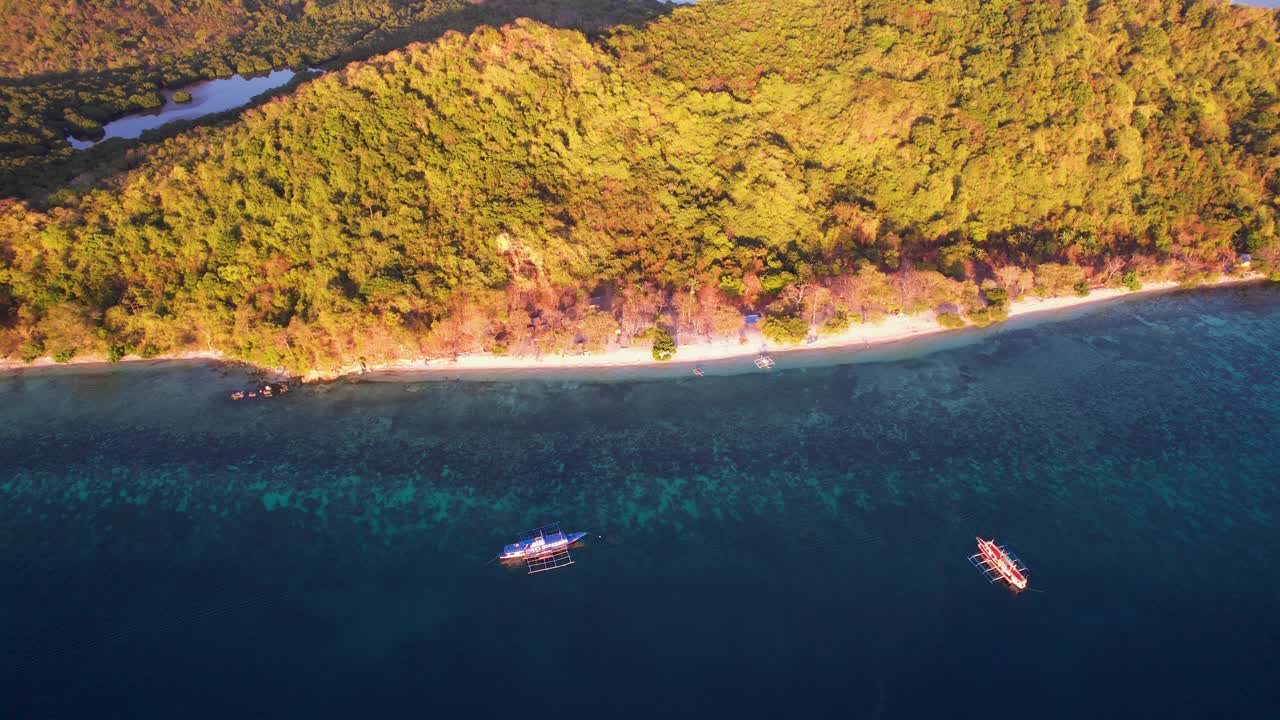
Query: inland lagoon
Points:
[782, 544]
[198, 100]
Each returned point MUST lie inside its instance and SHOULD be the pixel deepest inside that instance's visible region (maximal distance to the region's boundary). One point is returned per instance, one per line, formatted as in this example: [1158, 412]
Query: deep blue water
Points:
[774, 545]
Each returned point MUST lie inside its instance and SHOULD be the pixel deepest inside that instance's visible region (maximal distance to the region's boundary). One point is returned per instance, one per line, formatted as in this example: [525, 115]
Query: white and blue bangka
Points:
[544, 548]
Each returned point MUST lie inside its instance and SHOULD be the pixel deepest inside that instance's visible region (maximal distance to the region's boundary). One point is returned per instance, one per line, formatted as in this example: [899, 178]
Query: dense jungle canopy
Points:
[530, 188]
[69, 66]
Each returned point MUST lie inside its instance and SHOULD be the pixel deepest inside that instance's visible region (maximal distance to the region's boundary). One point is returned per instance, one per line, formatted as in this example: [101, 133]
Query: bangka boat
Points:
[764, 362]
[998, 564]
[263, 391]
[541, 549]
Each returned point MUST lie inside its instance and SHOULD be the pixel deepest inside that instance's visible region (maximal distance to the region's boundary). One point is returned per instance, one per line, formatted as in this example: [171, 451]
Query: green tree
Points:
[950, 320]
[597, 329]
[32, 351]
[786, 329]
[726, 321]
[664, 346]
[837, 323]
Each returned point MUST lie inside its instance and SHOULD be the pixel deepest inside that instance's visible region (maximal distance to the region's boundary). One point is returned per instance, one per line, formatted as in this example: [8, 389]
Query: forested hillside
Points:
[527, 189]
[69, 66]
[66, 35]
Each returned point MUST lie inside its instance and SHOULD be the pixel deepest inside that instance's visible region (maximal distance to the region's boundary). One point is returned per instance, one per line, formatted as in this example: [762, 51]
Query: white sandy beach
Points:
[891, 329]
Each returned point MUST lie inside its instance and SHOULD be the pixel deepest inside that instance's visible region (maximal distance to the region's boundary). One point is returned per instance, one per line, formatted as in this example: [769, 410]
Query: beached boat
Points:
[544, 548]
[764, 362]
[269, 390]
[999, 565]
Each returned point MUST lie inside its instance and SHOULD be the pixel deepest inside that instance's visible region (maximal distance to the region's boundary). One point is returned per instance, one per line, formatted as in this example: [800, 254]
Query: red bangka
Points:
[998, 564]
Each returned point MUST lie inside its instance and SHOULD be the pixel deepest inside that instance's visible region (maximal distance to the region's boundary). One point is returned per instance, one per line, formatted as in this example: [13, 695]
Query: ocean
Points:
[784, 544]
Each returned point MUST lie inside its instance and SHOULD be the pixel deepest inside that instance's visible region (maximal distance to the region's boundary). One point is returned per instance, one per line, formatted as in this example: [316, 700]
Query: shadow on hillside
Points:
[34, 169]
[592, 17]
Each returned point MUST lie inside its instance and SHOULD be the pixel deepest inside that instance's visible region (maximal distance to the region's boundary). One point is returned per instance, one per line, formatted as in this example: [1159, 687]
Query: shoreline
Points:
[890, 330]
[87, 361]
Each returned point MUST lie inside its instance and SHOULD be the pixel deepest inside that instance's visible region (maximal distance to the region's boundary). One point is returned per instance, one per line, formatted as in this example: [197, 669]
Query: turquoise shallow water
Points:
[790, 543]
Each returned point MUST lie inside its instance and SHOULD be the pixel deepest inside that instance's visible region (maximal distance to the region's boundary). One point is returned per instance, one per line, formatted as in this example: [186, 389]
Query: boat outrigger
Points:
[542, 549]
[998, 564]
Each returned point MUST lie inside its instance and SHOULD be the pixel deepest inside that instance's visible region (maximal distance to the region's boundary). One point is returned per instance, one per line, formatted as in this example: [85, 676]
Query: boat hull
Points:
[998, 564]
[534, 548]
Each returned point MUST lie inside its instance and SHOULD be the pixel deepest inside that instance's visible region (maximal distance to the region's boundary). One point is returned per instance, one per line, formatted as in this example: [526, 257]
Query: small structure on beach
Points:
[1244, 260]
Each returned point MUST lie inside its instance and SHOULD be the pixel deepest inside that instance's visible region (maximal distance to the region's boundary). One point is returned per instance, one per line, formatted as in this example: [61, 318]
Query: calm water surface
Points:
[207, 97]
[773, 545]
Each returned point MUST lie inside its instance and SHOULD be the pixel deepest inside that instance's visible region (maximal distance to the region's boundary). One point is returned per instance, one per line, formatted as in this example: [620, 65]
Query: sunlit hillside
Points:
[472, 193]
